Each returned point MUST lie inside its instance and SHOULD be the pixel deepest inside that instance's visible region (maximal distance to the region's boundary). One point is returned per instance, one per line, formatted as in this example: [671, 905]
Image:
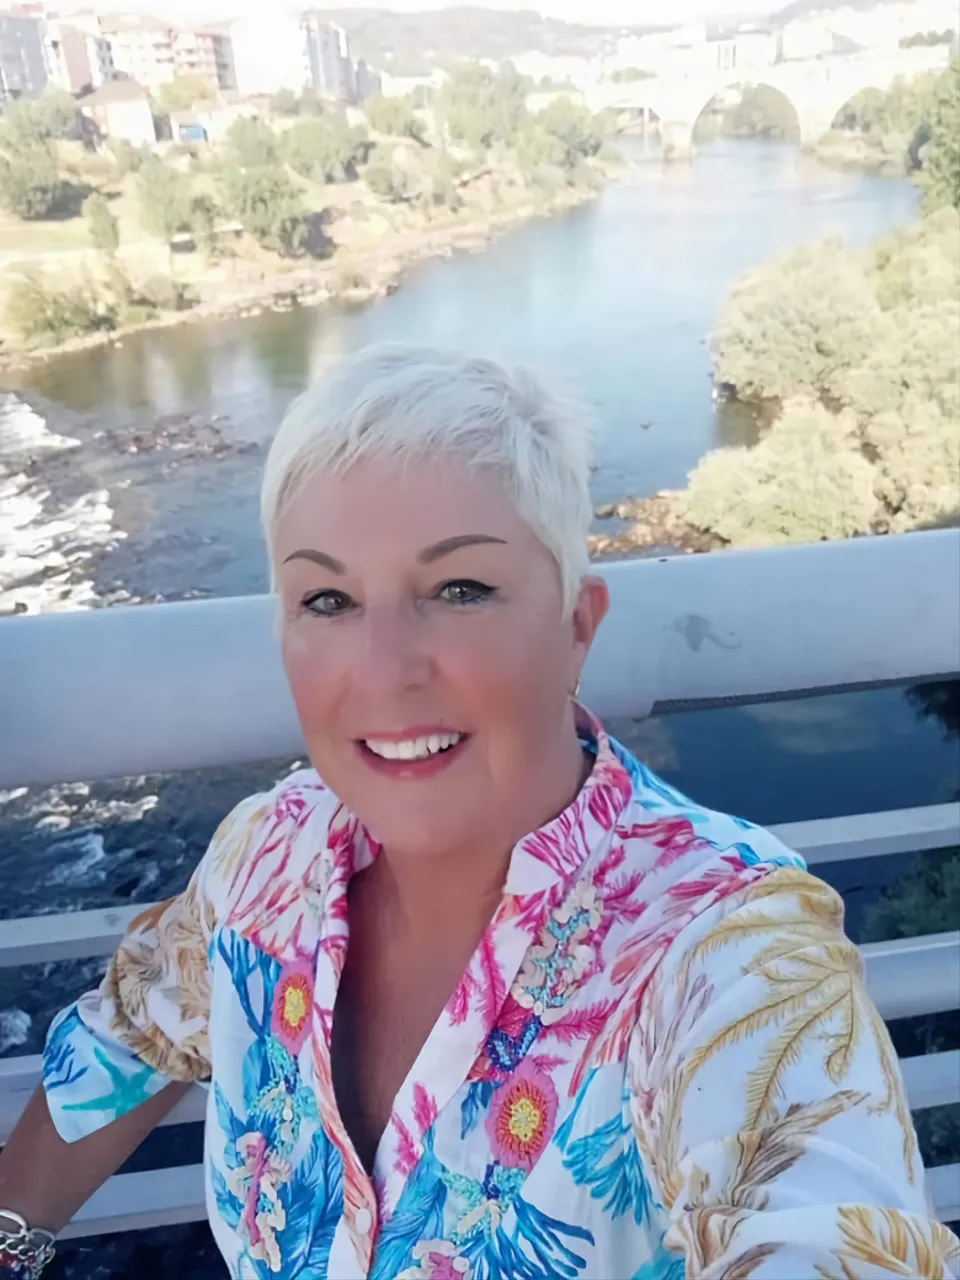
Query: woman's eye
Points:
[327, 604]
[464, 591]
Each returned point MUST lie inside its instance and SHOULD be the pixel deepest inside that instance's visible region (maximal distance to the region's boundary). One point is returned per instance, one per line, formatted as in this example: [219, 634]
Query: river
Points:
[617, 300]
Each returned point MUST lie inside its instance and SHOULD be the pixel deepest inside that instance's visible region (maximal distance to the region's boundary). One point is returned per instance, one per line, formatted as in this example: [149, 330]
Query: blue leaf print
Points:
[608, 1162]
[231, 1125]
[418, 1216]
[314, 1203]
[228, 1206]
[61, 1067]
[533, 1250]
[664, 1265]
[477, 1100]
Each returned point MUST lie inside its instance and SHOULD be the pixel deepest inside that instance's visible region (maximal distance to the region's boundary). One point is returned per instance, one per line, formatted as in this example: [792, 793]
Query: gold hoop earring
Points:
[575, 692]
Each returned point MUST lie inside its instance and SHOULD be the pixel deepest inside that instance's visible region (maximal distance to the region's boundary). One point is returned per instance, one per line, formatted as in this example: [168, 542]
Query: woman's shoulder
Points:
[256, 837]
[692, 861]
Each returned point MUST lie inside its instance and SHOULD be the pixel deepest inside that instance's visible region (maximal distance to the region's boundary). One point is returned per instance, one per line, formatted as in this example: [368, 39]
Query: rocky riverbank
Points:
[649, 527]
[354, 275]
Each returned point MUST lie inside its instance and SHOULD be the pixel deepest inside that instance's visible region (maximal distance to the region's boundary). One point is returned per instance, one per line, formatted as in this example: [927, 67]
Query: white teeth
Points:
[413, 748]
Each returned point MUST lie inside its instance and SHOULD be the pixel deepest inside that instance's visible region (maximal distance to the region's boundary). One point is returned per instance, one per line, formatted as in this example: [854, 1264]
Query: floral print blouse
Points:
[660, 1062]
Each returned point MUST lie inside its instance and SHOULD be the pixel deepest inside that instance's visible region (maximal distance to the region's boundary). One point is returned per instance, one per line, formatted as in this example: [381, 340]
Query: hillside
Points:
[412, 43]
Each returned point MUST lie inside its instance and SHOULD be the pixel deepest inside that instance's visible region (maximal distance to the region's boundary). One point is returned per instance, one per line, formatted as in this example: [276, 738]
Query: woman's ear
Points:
[590, 610]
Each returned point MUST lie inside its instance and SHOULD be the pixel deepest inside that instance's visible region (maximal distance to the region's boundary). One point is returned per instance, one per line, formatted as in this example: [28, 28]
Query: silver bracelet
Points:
[26, 1250]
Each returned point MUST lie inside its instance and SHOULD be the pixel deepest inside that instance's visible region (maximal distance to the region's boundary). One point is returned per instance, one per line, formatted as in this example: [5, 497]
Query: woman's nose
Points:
[391, 655]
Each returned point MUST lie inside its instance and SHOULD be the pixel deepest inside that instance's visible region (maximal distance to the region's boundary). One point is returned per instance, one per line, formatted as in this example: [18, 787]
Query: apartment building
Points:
[152, 50]
[331, 69]
[205, 52]
[80, 59]
[23, 56]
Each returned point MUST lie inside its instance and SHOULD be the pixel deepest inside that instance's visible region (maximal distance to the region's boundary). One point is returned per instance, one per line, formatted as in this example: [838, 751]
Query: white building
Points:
[269, 52]
[23, 57]
[331, 70]
[79, 59]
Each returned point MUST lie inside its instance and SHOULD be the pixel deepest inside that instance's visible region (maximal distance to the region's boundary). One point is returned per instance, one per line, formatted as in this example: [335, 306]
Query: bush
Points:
[30, 185]
[806, 481]
[126, 156]
[102, 225]
[481, 107]
[941, 161]
[388, 181]
[394, 117]
[325, 148]
[265, 200]
[918, 464]
[790, 328]
[165, 199]
[30, 123]
[251, 143]
[285, 103]
[39, 313]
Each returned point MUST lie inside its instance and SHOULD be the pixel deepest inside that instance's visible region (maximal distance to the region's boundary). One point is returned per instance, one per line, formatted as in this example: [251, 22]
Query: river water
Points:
[617, 300]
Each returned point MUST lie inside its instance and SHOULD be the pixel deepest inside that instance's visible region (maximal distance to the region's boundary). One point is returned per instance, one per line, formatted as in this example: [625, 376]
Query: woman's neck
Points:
[458, 890]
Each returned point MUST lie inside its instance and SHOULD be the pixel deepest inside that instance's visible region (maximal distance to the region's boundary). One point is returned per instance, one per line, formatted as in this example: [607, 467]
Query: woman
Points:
[490, 999]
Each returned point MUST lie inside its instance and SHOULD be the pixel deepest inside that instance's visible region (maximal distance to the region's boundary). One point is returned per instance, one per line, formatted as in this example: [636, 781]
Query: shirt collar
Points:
[556, 852]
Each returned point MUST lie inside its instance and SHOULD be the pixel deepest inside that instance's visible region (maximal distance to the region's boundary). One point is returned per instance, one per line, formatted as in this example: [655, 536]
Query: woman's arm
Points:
[119, 1059]
[46, 1180]
[768, 1102]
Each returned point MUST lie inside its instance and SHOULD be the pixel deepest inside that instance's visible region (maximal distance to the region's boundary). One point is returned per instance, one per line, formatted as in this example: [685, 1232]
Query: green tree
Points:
[941, 165]
[42, 314]
[101, 224]
[325, 148]
[30, 184]
[126, 156]
[395, 117]
[29, 123]
[578, 131]
[805, 481]
[285, 103]
[872, 332]
[762, 112]
[387, 180]
[481, 107]
[251, 142]
[265, 200]
[165, 200]
[180, 93]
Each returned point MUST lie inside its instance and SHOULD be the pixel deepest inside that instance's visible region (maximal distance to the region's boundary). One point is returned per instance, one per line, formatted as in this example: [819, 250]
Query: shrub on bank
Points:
[874, 334]
[806, 481]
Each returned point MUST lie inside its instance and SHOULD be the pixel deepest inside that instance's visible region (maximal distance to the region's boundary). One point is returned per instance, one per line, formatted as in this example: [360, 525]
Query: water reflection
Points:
[823, 757]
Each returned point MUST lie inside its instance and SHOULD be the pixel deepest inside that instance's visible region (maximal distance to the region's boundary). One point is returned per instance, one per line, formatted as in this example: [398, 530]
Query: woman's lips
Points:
[411, 770]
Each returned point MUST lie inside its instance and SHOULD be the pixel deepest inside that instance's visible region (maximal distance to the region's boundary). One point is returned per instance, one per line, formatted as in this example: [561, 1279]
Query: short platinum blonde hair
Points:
[407, 403]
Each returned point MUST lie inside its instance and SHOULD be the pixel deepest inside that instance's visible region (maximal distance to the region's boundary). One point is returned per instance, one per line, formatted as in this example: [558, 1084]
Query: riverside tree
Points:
[395, 117]
[325, 148]
[941, 168]
[101, 224]
[30, 183]
[862, 347]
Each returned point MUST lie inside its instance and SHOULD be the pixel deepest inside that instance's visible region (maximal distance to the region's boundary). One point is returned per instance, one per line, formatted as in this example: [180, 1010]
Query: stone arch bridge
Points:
[817, 89]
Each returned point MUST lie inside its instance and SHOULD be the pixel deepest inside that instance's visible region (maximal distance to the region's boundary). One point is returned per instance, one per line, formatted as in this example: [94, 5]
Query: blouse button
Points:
[364, 1221]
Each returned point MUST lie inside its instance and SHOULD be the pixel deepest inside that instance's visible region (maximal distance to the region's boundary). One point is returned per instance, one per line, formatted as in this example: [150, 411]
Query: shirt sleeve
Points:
[767, 1100]
[146, 1024]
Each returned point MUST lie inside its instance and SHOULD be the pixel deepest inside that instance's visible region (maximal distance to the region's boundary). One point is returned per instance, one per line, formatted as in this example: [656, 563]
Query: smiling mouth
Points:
[410, 749]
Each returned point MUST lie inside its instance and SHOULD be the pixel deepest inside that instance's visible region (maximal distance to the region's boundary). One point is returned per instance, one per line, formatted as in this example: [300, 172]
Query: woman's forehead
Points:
[401, 506]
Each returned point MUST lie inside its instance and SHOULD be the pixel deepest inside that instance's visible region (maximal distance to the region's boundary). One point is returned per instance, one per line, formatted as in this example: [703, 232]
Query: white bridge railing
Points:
[125, 691]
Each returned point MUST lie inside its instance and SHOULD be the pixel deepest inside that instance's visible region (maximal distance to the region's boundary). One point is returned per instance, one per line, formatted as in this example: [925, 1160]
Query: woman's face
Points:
[426, 647]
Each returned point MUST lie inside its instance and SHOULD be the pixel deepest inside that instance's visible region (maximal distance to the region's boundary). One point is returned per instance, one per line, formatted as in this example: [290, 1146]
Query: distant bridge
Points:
[816, 88]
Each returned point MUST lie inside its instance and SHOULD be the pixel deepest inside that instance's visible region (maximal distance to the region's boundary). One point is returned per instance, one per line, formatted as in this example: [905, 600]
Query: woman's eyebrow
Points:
[318, 557]
[439, 549]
